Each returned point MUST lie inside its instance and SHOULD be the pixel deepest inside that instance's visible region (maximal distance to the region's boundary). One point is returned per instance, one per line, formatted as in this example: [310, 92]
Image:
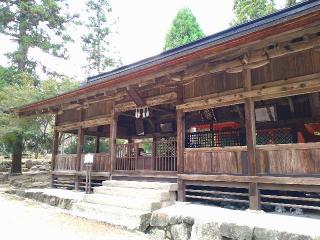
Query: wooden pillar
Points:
[180, 143]
[315, 104]
[154, 153]
[55, 145]
[79, 153]
[97, 144]
[112, 142]
[180, 152]
[250, 122]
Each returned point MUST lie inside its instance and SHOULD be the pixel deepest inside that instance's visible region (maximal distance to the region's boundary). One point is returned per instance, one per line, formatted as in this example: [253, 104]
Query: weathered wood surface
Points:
[163, 157]
[289, 159]
[103, 120]
[112, 141]
[216, 160]
[101, 162]
[126, 156]
[65, 162]
[151, 101]
[270, 92]
[254, 179]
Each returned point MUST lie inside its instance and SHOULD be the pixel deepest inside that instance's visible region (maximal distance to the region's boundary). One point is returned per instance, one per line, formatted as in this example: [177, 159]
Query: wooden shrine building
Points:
[233, 117]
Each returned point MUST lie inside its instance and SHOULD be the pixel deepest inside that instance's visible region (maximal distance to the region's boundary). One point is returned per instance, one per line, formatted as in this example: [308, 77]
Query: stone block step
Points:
[141, 185]
[127, 218]
[124, 202]
[150, 194]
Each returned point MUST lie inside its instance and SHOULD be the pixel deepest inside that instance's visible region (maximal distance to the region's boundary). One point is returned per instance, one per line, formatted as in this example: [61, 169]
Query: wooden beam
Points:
[250, 123]
[181, 128]
[112, 142]
[256, 58]
[80, 143]
[250, 135]
[151, 101]
[135, 96]
[97, 144]
[104, 120]
[306, 181]
[55, 146]
[291, 105]
[257, 94]
[314, 99]
[286, 29]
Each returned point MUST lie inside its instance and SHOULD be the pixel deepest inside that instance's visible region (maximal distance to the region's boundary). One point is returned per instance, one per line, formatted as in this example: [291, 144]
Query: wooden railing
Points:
[65, 162]
[163, 157]
[101, 162]
[302, 159]
[289, 159]
[227, 160]
[126, 155]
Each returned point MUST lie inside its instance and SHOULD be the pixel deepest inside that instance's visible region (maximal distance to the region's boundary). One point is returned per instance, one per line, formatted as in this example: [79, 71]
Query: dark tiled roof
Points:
[233, 32]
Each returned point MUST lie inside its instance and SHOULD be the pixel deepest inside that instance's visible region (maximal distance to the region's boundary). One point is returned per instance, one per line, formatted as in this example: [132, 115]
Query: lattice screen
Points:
[235, 137]
[275, 136]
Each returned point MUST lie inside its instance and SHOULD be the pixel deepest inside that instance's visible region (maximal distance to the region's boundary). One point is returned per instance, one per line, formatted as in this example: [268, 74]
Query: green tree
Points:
[29, 133]
[247, 10]
[35, 24]
[289, 3]
[96, 42]
[184, 29]
[8, 76]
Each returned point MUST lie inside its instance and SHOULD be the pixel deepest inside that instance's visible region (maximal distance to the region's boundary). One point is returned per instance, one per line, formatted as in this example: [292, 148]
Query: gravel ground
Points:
[26, 219]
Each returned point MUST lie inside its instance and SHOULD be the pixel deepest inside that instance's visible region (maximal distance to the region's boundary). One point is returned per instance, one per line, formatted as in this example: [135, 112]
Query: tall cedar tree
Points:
[247, 10]
[96, 43]
[184, 29]
[32, 24]
[35, 23]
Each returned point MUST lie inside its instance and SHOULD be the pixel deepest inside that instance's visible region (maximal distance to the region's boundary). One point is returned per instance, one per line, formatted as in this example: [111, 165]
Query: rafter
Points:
[135, 96]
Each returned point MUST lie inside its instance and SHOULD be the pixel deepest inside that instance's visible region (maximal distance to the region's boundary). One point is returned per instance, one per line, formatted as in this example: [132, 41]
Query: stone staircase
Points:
[128, 204]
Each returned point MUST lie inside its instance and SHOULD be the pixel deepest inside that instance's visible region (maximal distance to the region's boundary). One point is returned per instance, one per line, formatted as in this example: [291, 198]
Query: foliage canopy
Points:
[247, 10]
[184, 29]
[35, 24]
[96, 42]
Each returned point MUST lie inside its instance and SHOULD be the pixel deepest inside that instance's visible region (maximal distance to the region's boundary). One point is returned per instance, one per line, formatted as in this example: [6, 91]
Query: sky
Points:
[141, 29]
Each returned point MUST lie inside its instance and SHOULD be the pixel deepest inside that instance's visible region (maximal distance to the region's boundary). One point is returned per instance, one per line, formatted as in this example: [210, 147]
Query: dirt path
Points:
[26, 219]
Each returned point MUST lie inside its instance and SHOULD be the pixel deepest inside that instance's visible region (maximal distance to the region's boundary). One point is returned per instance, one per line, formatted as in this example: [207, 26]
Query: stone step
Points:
[125, 202]
[150, 194]
[141, 185]
[127, 218]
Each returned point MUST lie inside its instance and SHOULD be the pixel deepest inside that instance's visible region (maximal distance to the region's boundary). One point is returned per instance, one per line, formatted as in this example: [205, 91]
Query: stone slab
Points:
[142, 185]
[128, 218]
[151, 194]
[125, 202]
[210, 222]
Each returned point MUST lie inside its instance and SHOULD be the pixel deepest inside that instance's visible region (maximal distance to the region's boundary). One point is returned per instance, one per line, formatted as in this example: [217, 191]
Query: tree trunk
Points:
[16, 158]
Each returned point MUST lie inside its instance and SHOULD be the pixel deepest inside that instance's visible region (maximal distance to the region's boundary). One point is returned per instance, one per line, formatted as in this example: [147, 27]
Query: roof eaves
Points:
[233, 32]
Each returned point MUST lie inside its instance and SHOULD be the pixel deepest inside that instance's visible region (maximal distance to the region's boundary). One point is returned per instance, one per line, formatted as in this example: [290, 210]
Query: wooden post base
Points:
[254, 197]
[76, 183]
[51, 185]
[181, 191]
